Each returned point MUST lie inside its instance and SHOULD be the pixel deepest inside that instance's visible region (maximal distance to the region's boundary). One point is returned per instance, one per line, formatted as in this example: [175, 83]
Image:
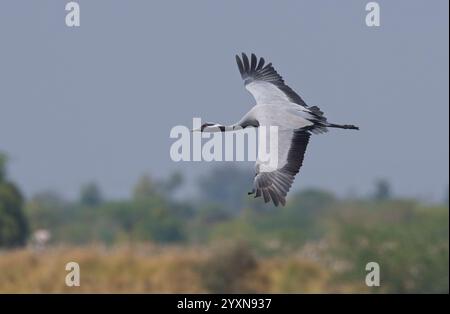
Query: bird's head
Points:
[209, 127]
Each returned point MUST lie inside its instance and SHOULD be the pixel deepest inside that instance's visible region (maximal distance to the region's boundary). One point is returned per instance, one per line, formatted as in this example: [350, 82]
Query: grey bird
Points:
[276, 105]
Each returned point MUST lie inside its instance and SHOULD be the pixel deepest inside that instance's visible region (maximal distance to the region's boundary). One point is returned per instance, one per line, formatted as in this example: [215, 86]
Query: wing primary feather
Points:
[274, 196]
[246, 63]
[253, 63]
[282, 182]
[265, 196]
[240, 65]
[260, 64]
[281, 190]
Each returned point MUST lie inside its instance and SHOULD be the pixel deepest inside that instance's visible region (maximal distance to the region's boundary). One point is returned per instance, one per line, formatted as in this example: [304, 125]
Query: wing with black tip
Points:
[264, 83]
[275, 184]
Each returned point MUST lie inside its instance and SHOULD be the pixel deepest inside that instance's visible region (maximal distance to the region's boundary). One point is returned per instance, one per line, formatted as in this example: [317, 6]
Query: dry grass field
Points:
[153, 269]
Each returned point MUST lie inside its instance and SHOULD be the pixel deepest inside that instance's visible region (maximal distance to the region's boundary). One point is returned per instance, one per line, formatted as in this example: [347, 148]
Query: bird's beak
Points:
[195, 130]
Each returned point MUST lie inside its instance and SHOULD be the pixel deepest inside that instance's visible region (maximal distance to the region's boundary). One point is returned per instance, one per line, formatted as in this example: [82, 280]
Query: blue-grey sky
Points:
[98, 102]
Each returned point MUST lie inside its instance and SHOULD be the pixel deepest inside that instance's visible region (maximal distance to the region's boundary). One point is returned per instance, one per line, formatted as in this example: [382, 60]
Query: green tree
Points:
[90, 195]
[2, 167]
[144, 188]
[226, 185]
[13, 223]
[47, 210]
[410, 242]
[383, 190]
[173, 183]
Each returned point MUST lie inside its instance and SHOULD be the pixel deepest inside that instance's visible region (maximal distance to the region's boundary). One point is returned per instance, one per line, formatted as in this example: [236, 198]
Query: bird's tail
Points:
[343, 126]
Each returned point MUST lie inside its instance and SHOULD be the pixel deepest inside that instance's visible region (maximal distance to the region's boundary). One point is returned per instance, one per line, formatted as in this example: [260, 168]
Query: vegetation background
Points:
[220, 241]
[97, 102]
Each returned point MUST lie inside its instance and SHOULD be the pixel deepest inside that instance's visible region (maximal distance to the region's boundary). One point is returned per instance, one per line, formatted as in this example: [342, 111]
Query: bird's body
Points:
[285, 115]
[277, 105]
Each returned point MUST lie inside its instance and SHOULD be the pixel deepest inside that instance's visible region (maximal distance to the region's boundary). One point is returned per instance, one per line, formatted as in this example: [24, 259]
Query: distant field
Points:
[153, 243]
[291, 251]
[150, 269]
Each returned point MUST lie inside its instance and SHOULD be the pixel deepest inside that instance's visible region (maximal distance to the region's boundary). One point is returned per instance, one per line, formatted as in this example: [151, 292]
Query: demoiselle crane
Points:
[276, 105]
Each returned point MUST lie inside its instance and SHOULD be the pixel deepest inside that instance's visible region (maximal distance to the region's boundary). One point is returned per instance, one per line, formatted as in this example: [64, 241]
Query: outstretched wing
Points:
[264, 83]
[274, 185]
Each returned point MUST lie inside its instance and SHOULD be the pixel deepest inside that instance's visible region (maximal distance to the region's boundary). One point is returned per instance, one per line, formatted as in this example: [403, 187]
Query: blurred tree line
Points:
[13, 223]
[408, 239]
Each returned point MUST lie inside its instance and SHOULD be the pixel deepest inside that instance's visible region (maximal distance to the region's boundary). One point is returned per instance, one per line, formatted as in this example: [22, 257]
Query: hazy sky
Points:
[98, 102]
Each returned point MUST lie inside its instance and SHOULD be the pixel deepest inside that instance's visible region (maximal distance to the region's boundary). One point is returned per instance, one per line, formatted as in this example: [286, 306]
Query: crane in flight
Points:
[276, 105]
